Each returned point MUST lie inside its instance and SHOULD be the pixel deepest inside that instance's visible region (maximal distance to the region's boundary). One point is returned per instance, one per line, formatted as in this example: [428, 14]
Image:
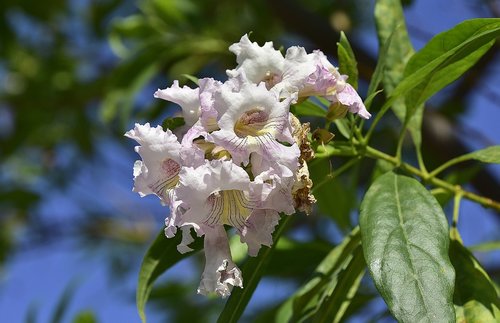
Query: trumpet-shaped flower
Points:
[254, 120]
[159, 168]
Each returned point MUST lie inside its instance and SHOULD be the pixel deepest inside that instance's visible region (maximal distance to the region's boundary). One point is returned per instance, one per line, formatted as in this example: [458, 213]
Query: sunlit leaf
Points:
[450, 54]
[161, 255]
[85, 317]
[475, 297]
[405, 243]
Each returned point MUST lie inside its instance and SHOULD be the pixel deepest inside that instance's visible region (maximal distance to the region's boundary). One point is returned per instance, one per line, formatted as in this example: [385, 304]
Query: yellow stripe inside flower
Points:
[230, 207]
[252, 123]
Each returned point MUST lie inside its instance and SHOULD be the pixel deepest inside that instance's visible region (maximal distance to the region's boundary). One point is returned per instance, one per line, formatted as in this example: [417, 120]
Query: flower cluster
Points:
[241, 158]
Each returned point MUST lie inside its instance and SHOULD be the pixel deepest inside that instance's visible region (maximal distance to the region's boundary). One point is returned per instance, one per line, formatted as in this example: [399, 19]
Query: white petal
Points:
[158, 171]
[350, 98]
[215, 193]
[184, 96]
[259, 229]
[260, 64]
[220, 273]
[272, 189]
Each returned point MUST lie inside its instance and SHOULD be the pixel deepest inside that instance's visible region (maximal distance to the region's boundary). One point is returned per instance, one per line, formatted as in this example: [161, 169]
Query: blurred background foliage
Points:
[75, 75]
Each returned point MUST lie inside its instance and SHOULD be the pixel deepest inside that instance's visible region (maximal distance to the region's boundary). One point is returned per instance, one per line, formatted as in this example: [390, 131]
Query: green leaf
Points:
[379, 72]
[173, 123]
[392, 33]
[343, 127]
[451, 53]
[475, 297]
[309, 109]
[330, 272]
[338, 209]
[252, 271]
[341, 290]
[487, 155]
[405, 242]
[161, 255]
[347, 60]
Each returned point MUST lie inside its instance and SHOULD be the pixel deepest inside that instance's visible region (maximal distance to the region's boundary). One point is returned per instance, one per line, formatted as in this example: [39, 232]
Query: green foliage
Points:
[405, 243]
[475, 297]
[487, 155]
[347, 60]
[326, 296]
[252, 270]
[161, 255]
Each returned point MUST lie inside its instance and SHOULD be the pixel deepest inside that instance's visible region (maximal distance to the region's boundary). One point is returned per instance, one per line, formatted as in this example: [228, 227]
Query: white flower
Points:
[212, 194]
[253, 120]
[258, 230]
[220, 273]
[186, 97]
[261, 64]
[158, 170]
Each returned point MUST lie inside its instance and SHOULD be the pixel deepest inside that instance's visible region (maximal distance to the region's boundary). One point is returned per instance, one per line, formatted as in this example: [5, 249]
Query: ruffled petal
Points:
[272, 189]
[260, 64]
[220, 273]
[158, 171]
[186, 97]
[258, 230]
[215, 193]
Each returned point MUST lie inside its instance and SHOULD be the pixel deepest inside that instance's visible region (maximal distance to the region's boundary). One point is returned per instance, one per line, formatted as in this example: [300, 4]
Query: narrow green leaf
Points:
[161, 255]
[405, 242]
[308, 108]
[486, 246]
[192, 78]
[454, 51]
[347, 61]
[475, 297]
[487, 155]
[306, 301]
[392, 32]
[341, 291]
[378, 74]
[252, 271]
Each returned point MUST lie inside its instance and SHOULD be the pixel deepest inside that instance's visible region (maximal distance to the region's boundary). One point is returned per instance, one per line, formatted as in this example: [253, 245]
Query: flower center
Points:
[228, 207]
[252, 123]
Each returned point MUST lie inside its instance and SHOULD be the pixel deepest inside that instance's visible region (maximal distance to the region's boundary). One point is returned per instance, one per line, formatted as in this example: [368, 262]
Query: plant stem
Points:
[456, 209]
[449, 163]
[335, 174]
[455, 189]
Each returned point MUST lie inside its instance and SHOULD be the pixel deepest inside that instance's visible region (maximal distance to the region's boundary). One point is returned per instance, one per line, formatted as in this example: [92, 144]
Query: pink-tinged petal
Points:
[272, 189]
[350, 98]
[158, 171]
[215, 193]
[258, 230]
[260, 64]
[220, 274]
[191, 154]
[186, 97]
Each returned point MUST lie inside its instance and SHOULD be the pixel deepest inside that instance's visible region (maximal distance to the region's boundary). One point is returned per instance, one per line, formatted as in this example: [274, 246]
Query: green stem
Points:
[455, 189]
[456, 209]
[449, 163]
